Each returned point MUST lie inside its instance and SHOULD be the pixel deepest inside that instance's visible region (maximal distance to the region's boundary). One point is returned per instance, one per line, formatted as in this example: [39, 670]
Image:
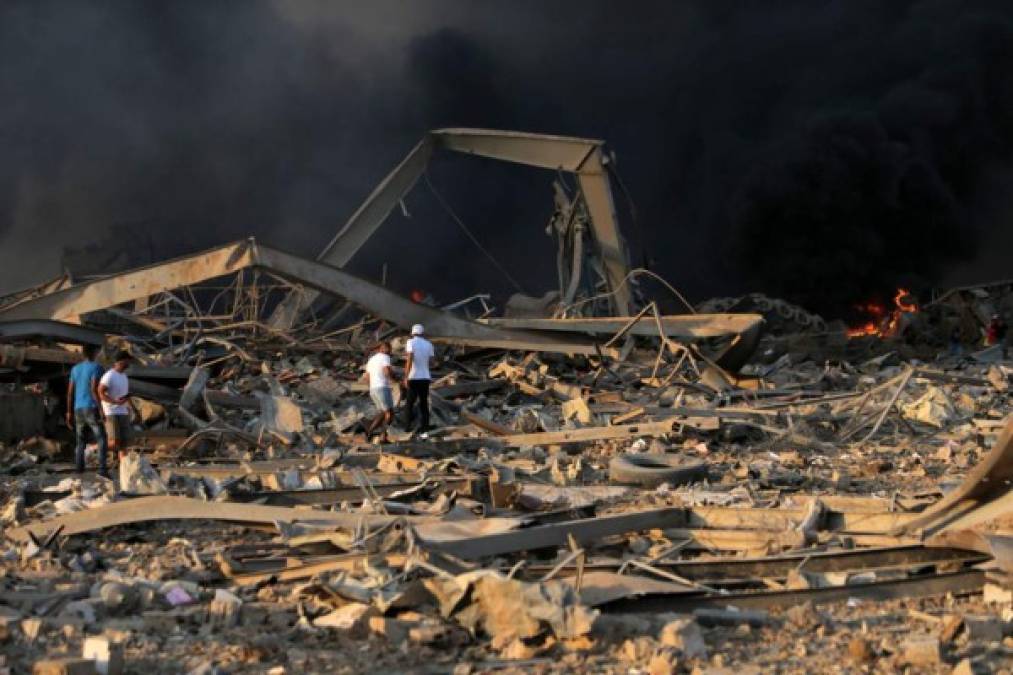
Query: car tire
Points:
[651, 470]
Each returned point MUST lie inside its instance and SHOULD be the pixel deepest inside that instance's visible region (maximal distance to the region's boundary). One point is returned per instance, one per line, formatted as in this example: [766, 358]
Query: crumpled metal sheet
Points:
[933, 408]
[537, 497]
[507, 609]
[451, 530]
[600, 588]
[979, 498]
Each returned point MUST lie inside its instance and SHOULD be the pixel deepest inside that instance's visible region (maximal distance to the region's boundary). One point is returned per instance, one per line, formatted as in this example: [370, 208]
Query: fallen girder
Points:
[985, 486]
[963, 581]
[712, 571]
[146, 509]
[683, 327]
[69, 304]
[354, 494]
[45, 329]
[559, 534]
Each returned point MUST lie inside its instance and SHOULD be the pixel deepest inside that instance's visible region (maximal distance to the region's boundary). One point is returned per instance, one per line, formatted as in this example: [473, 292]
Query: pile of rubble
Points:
[655, 512]
[628, 492]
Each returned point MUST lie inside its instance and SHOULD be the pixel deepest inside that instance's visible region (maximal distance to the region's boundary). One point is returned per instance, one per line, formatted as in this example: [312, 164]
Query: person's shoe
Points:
[105, 474]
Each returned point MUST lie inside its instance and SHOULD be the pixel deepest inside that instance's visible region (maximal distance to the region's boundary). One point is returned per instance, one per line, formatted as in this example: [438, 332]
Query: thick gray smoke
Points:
[820, 151]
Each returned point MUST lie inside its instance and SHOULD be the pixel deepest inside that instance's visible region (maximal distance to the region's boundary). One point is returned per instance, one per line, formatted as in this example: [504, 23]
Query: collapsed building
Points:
[609, 486]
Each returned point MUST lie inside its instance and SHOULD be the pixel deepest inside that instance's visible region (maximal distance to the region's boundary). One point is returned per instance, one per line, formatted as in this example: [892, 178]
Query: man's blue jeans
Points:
[84, 419]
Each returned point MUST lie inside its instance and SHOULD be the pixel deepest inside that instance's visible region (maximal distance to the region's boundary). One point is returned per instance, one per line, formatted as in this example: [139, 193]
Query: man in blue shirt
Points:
[83, 411]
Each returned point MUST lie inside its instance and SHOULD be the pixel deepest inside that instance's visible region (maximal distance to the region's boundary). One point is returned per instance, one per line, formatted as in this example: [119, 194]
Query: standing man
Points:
[1002, 334]
[992, 331]
[83, 410]
[419, 351]
[113, 389]
[380, 376]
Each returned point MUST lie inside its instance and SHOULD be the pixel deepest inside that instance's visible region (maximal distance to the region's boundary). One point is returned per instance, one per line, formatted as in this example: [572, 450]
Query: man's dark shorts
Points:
[118, 429]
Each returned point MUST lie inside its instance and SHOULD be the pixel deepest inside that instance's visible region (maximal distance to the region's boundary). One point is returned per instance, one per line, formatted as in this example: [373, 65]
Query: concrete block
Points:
[921, 651]
[107, 655]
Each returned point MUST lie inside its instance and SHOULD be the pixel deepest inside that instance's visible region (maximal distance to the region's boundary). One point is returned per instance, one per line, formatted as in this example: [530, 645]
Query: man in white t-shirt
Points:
[418, 352]
[380, 376]
[114, 390]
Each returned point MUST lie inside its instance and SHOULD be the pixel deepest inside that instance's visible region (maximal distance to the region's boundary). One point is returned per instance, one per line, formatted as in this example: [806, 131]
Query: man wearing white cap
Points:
[419, 351]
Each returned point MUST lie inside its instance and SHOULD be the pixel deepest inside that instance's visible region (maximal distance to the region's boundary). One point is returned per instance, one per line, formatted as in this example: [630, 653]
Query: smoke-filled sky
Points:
[822, 151]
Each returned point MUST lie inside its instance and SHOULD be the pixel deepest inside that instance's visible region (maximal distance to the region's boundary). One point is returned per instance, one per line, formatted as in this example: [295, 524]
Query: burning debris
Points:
[599, 486]
[884, 322]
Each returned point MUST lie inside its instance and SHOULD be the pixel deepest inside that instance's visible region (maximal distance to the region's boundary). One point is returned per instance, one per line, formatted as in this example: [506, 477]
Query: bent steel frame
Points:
[69, 304]
[580, 156]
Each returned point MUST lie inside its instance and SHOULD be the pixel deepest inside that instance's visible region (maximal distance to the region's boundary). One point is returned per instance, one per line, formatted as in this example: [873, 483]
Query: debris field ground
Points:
[565, 514]
[598, 493]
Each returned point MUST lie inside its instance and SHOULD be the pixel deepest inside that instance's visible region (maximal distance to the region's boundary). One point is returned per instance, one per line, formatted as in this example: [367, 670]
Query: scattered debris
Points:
[507, 610]
[604, 488]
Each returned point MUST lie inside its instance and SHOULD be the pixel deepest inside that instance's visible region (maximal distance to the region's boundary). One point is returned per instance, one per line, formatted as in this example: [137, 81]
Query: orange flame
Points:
[867, 329]
[884, 324]
[904, 306]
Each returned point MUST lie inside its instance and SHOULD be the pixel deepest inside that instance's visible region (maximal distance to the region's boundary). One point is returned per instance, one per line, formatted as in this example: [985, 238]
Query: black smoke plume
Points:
[889, 188]
[821, 151]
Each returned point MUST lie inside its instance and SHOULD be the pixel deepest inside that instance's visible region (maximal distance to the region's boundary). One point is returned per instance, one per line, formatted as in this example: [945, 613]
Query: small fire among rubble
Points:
[883, 322]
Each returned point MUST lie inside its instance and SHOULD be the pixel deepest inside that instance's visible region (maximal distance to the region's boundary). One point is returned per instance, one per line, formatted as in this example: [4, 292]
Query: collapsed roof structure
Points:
[595, 279]
[590, 217]
[597, 467]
